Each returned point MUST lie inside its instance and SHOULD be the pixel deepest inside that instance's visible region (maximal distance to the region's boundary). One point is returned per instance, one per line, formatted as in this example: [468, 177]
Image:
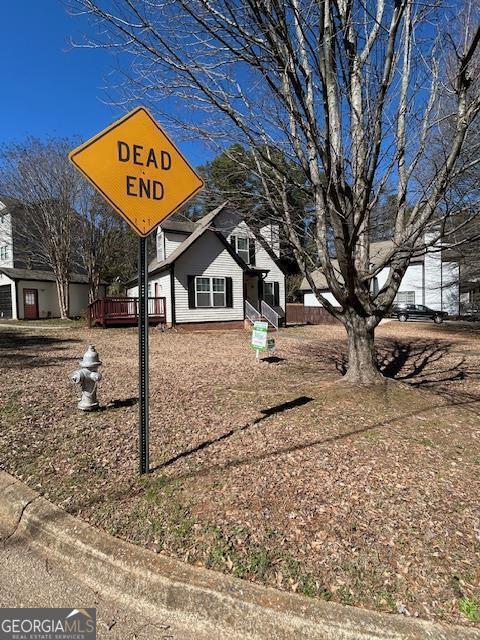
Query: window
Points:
[4, 252]
[244, 248]
[271, 293]
[268, 293]
[405, 297]
[210, 292]
[29, 297]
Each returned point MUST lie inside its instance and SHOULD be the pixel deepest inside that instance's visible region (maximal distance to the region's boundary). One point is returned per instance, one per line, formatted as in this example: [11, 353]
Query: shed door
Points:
[30, 304]
[5, 301]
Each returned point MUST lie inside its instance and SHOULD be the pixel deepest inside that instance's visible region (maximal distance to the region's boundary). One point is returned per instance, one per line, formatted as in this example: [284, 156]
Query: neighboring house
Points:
[28, 289]
[430, 280]
[216, 272]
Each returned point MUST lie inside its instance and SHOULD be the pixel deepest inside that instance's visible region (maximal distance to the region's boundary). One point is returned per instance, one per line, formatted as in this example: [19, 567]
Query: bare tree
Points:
[38, 174]
[105, 246]
[349, 91]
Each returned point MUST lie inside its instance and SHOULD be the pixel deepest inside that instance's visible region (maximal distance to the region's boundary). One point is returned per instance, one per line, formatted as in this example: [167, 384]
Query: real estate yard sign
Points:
[259, 336]
[141, 173]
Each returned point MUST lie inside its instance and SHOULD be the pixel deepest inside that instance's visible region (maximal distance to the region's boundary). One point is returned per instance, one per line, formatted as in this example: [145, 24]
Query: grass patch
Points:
[469, 608]
[236, 553]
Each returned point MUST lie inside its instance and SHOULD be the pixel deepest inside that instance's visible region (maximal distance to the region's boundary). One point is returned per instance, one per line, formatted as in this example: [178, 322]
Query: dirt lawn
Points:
[272, 472]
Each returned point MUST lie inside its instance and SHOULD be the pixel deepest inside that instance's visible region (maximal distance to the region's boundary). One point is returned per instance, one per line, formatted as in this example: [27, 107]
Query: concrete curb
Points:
[227, 607]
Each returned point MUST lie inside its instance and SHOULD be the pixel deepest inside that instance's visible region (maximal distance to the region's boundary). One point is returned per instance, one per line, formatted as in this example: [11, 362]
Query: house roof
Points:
[8, 201]
[179, 226]
[199, 228]
[46, 276]
[378, 252]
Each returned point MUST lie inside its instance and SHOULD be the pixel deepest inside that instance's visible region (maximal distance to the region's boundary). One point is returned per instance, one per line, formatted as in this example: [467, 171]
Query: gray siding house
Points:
[217, 272]
[27, 287]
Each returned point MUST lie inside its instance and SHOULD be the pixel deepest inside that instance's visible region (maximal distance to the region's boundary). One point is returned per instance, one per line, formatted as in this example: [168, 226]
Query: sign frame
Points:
[72, 155]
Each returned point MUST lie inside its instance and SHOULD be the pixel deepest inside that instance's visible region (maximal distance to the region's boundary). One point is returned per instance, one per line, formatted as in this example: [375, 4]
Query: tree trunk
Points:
[93, 286]
[62, 291]
[362, 366]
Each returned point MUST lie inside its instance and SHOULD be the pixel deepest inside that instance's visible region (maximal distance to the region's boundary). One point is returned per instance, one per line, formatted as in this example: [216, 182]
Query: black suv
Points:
[417, 312]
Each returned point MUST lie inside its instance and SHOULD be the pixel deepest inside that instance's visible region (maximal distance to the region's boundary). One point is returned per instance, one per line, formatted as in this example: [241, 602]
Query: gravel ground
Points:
[273, 472]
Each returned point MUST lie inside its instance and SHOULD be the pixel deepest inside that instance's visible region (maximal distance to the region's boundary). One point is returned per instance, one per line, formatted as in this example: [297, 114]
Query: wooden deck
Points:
[124, 311]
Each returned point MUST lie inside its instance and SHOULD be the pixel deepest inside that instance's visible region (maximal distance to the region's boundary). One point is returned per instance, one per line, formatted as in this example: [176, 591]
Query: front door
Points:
[251, 290]
[30, 304]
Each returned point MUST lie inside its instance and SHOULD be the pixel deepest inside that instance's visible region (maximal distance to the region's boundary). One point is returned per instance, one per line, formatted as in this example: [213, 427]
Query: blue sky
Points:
[48, 88]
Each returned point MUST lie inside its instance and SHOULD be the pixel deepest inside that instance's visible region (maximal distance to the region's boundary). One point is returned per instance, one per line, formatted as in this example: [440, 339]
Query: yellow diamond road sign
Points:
[138, 169]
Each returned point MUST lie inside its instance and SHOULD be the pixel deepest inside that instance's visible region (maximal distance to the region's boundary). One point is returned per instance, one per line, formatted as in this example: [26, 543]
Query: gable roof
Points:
[8, 201]
[179, 226]
[378, 251]
[198, 229]
[46, 276]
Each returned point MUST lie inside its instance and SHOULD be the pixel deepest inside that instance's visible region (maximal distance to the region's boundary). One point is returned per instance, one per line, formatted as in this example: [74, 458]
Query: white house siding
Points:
[164, 288]
[411, 281]
[433, 280]
[6, 281]
[441, 283]
[207, 257]
[275, 274]
[435, 284]
[451, 288]
[163, 280]
[271, 234]
[78, 298]
[231, 224]
[310, 299]
[6, 239]
[172, 240]
[132, 292]
[47, 297]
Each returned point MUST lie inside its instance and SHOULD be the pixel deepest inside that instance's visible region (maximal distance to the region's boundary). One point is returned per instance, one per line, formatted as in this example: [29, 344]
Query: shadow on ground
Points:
[280, 408]
[389, 423]
[430, 364]
[119, 404]
[419, 362]
[18, 349]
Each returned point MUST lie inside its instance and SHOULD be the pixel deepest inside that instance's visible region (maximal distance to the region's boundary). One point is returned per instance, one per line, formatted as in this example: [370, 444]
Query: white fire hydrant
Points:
[88, 377]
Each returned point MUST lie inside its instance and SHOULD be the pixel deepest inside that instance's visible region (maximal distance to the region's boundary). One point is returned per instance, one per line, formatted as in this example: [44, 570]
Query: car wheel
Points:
[438, 319]
[402, 317]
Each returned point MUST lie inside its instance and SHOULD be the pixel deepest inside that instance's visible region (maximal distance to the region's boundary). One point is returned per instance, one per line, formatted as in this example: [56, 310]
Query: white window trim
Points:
[247, 250]
[211, 292]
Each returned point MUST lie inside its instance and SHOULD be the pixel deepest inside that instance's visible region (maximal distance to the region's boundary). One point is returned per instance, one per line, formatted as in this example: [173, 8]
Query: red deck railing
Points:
[122, 310]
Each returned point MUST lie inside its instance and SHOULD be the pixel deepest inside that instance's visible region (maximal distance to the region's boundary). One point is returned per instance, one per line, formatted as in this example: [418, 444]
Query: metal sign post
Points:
[141, 173]
[143, 425]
